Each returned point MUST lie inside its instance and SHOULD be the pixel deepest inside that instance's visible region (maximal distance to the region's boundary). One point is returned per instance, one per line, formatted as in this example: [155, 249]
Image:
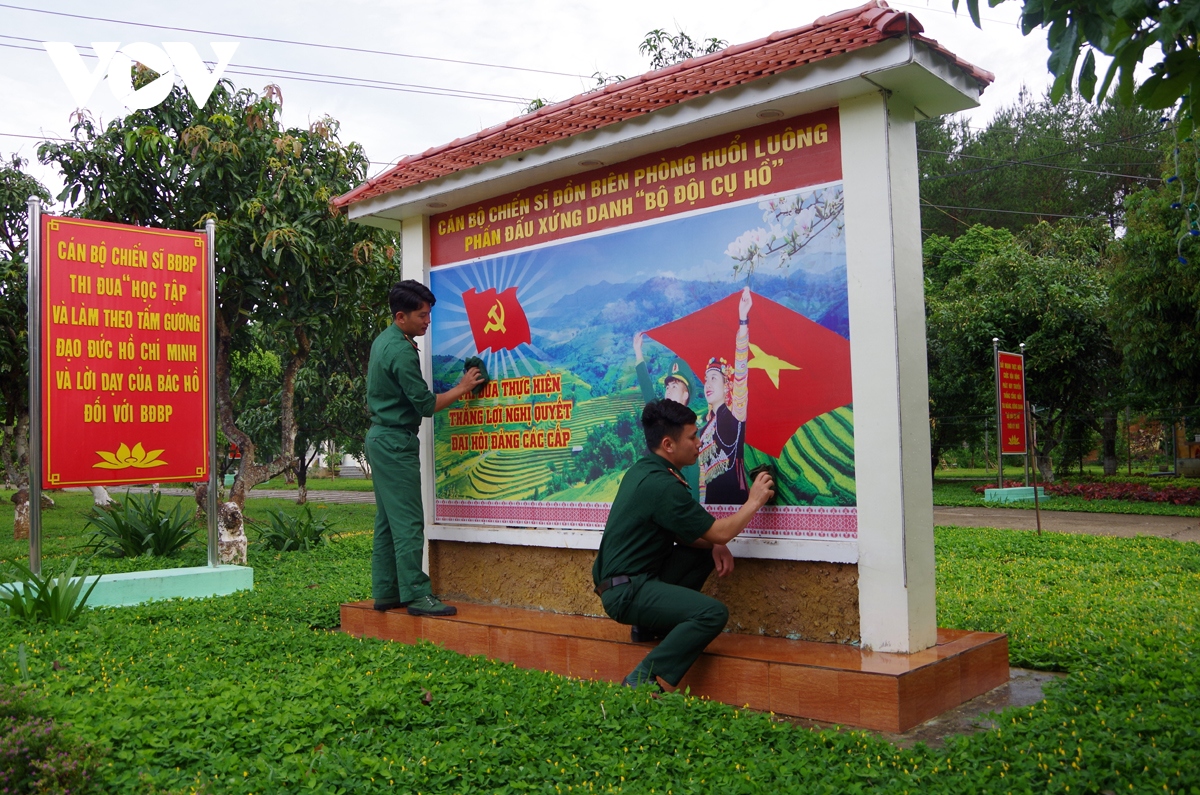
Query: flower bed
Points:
[1133, 492]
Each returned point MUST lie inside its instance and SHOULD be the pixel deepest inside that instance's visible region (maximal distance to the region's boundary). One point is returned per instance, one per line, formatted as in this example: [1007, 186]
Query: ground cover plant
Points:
[39, 755]
[963, 493]
[253, 693]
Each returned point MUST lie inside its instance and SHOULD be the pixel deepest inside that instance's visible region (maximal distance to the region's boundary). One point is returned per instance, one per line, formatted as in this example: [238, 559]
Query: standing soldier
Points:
[398, 398]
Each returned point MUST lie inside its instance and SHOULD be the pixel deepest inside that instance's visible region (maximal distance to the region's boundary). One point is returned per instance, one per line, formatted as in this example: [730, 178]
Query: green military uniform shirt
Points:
[653, 509]
[396, 391]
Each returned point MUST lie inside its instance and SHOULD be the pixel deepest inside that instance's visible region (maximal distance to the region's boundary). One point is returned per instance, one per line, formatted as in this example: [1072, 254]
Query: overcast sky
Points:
[573, 39]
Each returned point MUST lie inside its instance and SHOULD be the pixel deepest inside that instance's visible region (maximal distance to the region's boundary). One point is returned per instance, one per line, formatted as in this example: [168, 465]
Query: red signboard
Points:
[125, 343]
[1011, 381]
[758, 161]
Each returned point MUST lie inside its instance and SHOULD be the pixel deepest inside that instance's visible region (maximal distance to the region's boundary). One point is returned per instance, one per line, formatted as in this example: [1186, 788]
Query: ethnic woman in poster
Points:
[723, 440]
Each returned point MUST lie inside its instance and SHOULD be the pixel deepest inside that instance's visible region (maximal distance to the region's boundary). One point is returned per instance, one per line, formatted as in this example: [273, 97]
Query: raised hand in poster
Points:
[677, 384]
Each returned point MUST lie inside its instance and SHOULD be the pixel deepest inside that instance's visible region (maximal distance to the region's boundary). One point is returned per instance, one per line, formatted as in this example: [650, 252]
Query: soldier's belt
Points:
[612, 582]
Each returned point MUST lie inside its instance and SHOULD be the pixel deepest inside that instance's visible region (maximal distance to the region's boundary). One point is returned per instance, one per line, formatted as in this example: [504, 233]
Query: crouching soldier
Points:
[660, 545]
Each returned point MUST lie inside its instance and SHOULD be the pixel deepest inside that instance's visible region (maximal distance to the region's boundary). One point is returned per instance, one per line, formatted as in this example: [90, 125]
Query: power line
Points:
[35, 137]
[1041, 157]
[18, 135]
[292, 42]
[1035, 165]
[1009, 212]
[337, 80]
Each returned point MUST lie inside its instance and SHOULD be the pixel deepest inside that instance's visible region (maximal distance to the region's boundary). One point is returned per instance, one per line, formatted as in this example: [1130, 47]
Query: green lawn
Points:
[253, 693]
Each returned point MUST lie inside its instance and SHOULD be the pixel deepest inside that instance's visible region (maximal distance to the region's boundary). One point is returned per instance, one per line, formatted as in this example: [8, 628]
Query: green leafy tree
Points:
[1036, 160]
[1124, 30]
[288, 266]
[15, 189]
[1155, 295]
[1046, 289]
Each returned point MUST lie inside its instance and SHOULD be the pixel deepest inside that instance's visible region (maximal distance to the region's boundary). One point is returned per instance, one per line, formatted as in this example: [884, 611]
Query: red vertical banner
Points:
[1011, 382]
[125, 344]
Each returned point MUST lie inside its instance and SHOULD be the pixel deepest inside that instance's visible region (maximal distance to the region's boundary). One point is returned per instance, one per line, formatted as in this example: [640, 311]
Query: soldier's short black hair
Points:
[408, 295]
[665, 418]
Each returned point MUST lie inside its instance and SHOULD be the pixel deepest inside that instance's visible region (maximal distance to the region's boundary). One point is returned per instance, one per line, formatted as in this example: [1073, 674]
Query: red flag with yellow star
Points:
[798, 369]
[497, 319]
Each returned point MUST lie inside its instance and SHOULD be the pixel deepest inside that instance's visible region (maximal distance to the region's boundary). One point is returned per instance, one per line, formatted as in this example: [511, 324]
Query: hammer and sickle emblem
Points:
[496, 319]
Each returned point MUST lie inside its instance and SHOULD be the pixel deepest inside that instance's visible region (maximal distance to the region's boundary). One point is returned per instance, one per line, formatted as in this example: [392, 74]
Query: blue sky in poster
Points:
[584, 298]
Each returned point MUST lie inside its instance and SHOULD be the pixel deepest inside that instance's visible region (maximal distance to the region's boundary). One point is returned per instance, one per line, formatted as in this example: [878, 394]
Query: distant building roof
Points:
[829, 36]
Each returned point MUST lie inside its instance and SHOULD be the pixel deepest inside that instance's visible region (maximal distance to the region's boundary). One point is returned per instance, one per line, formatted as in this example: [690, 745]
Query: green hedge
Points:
[253, 693]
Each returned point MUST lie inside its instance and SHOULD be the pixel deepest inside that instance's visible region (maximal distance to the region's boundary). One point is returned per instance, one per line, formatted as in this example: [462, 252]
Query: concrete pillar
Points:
[414, 264]
[891, 389]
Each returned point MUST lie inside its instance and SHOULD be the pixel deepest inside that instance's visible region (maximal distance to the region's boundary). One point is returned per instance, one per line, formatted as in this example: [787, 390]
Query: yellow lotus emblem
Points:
[125, 458]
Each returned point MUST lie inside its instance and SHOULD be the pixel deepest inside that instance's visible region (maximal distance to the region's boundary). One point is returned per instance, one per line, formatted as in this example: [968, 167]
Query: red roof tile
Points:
[831, 35]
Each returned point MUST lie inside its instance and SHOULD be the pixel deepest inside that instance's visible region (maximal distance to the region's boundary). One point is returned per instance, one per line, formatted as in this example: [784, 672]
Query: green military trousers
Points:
[670, 603]
[396, 574]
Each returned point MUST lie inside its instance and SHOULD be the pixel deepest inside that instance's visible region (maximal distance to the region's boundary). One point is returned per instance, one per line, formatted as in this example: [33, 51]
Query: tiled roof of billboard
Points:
[835, 34]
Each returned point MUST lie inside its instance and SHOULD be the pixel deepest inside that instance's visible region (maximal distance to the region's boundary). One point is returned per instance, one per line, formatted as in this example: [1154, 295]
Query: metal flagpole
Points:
[210, 230]
[1026, 415]
[34, 301]
[999, 416]
[1031, 443]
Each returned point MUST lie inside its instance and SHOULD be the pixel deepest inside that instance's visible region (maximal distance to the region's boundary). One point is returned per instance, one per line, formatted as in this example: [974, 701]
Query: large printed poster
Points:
[124, 354]
[736, 307]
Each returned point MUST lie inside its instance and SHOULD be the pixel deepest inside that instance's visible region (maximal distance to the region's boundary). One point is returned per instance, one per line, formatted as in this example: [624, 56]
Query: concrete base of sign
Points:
[135, 587]
[1013, 494]
[827, 682]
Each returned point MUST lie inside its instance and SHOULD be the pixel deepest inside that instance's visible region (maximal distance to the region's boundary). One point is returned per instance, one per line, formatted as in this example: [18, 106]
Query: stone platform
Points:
[193, 582]
[819, 681]
[1014, 494]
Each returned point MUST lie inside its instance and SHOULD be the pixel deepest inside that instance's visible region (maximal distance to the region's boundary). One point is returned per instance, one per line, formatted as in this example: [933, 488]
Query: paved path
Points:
[1179, 528]
[314, 496]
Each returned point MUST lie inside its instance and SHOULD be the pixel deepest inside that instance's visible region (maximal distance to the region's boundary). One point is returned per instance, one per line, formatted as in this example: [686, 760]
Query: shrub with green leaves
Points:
[284, 532]
[36, 756]
[55, 599]
[140, 526]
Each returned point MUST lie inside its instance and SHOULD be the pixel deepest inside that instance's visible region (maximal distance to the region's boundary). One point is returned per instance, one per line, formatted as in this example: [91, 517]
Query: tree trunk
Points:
[250, 474]
[1109, 441]
[100, 496]
[14, 451]
[302, 479]
[21, 514]
[1045, 466]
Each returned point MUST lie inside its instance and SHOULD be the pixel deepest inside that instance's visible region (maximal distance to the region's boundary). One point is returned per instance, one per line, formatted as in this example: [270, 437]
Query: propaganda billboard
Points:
[713, 274]
[125, 342]
[1010, 379]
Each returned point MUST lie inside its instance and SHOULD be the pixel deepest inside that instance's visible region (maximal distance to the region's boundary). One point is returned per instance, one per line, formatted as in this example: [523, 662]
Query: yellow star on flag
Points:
[771, 364]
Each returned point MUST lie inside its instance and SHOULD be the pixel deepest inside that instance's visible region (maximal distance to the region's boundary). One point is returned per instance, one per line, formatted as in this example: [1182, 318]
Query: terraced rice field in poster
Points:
[520, 474]
[816, 467]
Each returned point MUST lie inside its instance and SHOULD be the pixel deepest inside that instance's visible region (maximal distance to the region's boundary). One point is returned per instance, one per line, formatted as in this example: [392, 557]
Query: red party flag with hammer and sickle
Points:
[497, 320]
